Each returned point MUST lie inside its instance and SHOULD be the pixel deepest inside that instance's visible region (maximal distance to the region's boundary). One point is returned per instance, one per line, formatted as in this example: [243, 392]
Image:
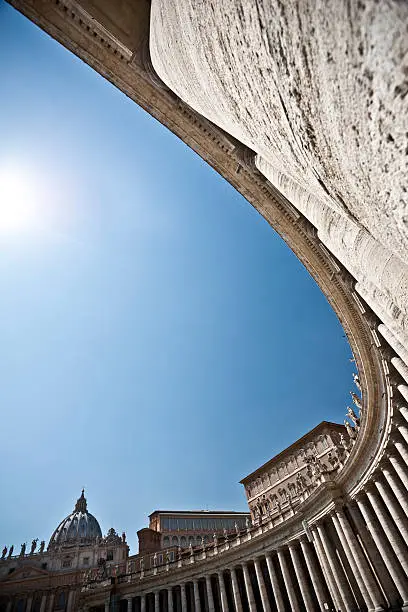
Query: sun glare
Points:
[19, 201]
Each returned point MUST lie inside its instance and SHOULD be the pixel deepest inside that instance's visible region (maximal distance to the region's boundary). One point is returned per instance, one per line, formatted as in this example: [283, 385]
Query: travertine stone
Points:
[235, 591]
[332, 106]
[400, 468]
[223, 593]
[301, 578]
[183, 598]
[197, 604]
[210, 597]
[389, 526]
[368, 584]
[384, 547]
[396, 485]
[169, 599]
[336, 569]
[322, 596]
[280, 606]
[367, 601]
[294, 604]
[261, 585]
[328, 574]
[248, 588]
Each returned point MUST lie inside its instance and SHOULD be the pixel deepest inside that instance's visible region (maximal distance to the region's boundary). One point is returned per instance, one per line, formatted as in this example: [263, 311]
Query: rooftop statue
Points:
[33, 546]
[353, 417]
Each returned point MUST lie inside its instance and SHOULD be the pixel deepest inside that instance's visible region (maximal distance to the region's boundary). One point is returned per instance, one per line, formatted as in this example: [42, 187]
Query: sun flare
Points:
[19, 200]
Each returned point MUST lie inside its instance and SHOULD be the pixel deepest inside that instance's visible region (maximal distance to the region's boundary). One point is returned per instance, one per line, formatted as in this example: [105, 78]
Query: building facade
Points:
[43, 580]
[192, 528]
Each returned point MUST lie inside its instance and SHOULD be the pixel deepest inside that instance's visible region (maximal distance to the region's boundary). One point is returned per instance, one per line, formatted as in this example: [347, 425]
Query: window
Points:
[85, 561]
[66, 563]
[174, 541]
[109, 556]
[166, 541]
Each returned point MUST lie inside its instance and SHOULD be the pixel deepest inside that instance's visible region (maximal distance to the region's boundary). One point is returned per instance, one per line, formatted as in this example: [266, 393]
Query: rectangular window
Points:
[66, 563]
[109, 556]
[85, 561]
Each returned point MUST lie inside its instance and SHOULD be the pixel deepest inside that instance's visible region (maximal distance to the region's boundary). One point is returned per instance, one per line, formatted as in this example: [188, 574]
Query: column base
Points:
[404, 607]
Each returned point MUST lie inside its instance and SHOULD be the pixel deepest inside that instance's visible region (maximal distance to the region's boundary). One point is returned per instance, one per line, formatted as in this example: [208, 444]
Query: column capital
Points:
[369, 488]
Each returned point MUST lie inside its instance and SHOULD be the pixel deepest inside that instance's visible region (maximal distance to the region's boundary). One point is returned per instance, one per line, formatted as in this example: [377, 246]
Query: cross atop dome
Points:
[80, 505]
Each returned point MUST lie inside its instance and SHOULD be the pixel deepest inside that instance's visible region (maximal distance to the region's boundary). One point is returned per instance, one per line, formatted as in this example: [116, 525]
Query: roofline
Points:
[285, 450]
[206, 512]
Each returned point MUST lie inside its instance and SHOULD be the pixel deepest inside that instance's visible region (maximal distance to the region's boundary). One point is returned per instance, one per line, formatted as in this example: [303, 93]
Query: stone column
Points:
[157, 601]
[400, 447]
[280, 605]
[235, 591]
[322, 596]
[294, 604]
[262, 587]
[301, 578]
[354, 566]
[210, 597]
[143, 603]
[129, 603]
[10, 605]
[107, 605]
[367, 583]
[336, 569]
[403, 410]
[248, 588]
[403, 429]
[197, 604]
[43, 602]
[328, 574]
[29, 604]
[51, 602]
[375, 559]
[399, 466]
[389, 527]
[183, 598]
[223, 593]
[170, 599]
[384, 547]
[70, 603]
[396, 486]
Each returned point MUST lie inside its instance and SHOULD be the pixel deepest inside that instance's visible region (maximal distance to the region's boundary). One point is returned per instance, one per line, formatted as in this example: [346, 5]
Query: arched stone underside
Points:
[246, 67]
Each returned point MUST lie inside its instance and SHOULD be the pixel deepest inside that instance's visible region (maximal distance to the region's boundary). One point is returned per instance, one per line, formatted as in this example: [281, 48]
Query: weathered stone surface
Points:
[319, 91]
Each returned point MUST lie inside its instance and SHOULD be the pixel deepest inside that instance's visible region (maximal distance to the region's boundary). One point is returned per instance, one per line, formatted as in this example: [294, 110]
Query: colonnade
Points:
[41, 602]
[355, 558]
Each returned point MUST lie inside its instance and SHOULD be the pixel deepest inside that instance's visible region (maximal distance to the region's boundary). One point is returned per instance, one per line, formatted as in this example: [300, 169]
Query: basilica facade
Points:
[42, 580]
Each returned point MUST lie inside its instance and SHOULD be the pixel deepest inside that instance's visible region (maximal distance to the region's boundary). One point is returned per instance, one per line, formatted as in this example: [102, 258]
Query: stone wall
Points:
[319, 91]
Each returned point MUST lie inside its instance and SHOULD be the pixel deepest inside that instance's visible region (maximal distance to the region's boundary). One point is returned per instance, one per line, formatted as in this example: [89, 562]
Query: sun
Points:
[19, 202]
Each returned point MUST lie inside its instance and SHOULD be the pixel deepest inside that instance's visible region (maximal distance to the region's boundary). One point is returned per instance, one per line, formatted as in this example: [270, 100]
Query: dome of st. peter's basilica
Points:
[80, 527]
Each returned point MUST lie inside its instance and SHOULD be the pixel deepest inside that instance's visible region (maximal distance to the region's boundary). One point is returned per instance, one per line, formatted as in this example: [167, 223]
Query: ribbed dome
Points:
[80, 527]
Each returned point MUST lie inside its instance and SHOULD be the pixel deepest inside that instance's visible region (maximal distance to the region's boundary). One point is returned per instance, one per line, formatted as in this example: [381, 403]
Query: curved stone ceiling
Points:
[319, 92]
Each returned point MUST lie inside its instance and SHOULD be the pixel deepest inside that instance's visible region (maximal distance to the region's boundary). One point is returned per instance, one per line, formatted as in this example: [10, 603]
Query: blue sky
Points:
[158, 340]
